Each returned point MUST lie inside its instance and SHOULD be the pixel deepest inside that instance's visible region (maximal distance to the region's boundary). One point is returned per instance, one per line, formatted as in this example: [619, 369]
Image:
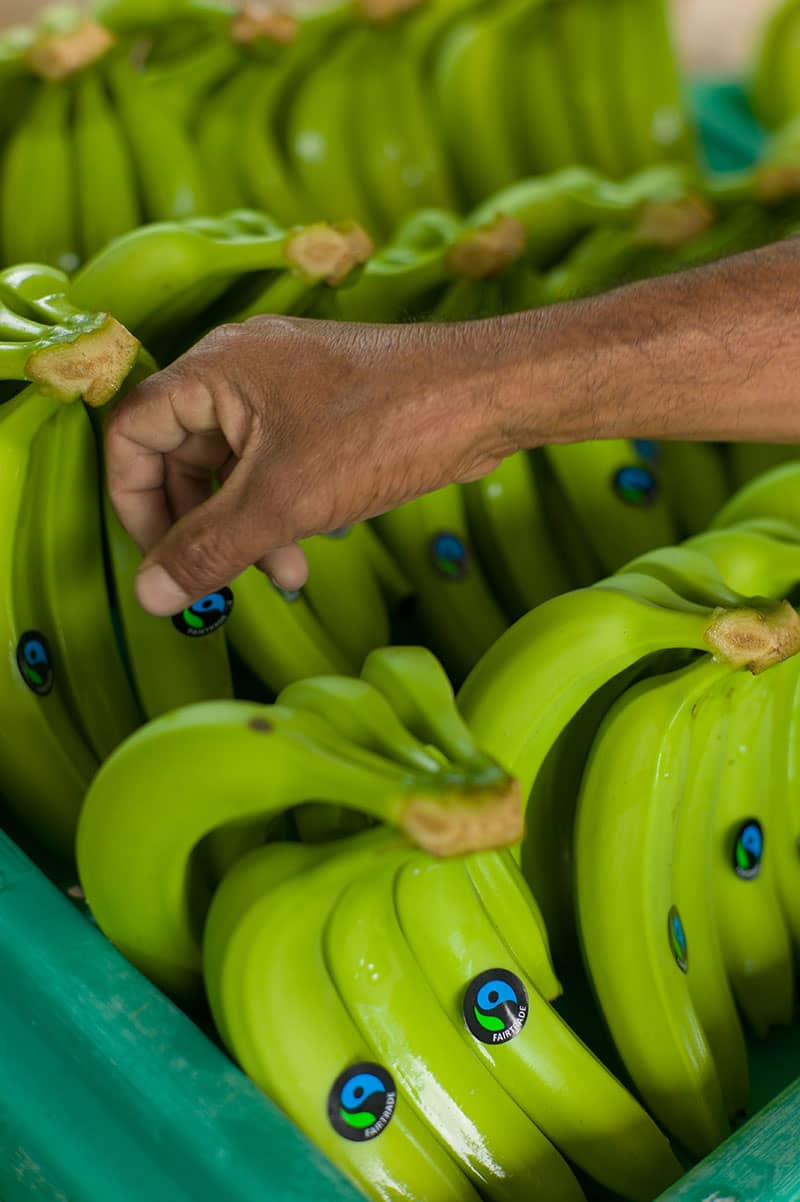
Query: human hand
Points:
[309, 426]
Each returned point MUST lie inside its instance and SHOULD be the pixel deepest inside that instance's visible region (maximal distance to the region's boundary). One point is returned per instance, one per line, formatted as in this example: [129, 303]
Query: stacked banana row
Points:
[367, 110]
[394, 995]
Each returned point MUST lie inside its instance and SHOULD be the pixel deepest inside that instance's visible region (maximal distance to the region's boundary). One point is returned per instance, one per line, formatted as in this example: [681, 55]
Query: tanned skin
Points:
[312, 426]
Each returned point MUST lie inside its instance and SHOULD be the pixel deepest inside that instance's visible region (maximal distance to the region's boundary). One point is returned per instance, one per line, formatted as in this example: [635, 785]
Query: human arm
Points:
[312, 426]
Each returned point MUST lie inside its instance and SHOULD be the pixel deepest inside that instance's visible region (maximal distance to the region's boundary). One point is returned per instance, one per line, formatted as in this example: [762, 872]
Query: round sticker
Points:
[205, 616]
[677, 940]
[636, 486]
[495, 1006]
[647, 449]
[748, 850]
[361, 1102]
[450, 556]
[35, 662]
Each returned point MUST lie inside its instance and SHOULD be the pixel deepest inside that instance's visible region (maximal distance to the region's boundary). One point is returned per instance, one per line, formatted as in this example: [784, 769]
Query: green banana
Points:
[508, 526]
[402, 160]
[345, 594]
[615, 499]
[383, 989]
[637, 949]
[38, 166]
[576, 553]
[190, 80]
[773, 88]
[755, 942]
[546, 116]
[266, 927]
[585, 46]
[108, 200]
[612, 1140]
[274, 759]
[575, 643]
[45, 764]
[218, 134]
[171, 179]
[429, 539]
[750, 459]
[279, 636]
[692, 883]
[752, 561]
[319, 118]
[472, 104]
[69, 567]
[694, 483]
[783, 794]
[776, 495]
[654, 115]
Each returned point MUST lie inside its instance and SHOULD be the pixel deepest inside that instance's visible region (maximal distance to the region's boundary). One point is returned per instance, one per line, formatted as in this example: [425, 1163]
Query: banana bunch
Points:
[486, 1097]
[647, 768]
[66, 699]
[366, 111]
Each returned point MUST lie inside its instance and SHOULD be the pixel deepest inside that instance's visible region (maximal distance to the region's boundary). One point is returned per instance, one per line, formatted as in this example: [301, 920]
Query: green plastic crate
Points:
[109, 1093]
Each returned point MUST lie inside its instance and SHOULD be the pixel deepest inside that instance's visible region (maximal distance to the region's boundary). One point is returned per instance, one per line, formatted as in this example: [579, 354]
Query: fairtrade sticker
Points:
[635, 486]
[361, 1102]
[748, 850]
[495, 1006]
[35, 663]
[677, 940]
[206, 616]
[450, 556]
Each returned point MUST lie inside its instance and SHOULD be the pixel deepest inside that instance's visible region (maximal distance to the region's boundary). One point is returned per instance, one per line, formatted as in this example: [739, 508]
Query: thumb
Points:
[207, 549]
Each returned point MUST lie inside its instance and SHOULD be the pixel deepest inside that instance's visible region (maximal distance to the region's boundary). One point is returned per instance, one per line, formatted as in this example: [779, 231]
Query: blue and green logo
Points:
[648, 450]
[35, 663]
[677, 940]
[495, 1006]
[748, 850]
[206, 616]
[635, 486]
[450, 556]
[361, 1102]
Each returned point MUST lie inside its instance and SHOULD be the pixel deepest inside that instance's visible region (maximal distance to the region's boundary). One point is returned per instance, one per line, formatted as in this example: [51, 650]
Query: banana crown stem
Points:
[329, 253]
[58, 56]
[458, 825]
[262, 20]
[483, 253]
[674, 222]
[757, 639]
[92, 366]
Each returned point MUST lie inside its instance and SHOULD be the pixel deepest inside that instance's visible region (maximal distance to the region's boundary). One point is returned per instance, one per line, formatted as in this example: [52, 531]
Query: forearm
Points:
[713, 353]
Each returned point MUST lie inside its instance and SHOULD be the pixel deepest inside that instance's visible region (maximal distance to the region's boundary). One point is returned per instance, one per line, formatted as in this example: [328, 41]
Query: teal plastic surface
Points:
[108, 1093]
[730, 135]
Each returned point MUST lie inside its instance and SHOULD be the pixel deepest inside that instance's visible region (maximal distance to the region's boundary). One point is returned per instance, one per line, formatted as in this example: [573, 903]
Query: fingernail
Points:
[158, 593]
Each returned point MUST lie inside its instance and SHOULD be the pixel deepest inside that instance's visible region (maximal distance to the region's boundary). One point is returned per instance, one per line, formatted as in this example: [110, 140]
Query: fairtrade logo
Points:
[648, 450]
[636, 486]
[361, 1102]
[748, 850]
[450, 556]
[206, 616]
[677, 940]
[495, 1006]
[35, 663]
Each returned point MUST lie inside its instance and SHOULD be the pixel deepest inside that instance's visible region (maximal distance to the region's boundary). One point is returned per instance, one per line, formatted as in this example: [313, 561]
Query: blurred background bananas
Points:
[538, 932]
